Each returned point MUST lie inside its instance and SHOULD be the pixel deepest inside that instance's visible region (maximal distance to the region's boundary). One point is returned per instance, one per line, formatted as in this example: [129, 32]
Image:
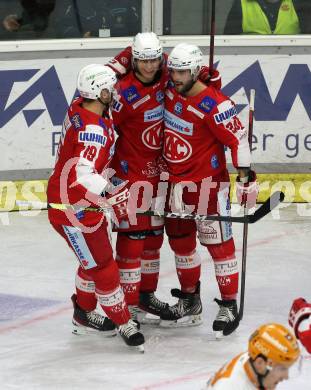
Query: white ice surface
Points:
[38, 350]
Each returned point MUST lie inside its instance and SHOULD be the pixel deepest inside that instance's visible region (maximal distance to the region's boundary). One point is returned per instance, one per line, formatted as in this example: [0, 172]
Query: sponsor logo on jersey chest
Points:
[177, 124]
[154, 114]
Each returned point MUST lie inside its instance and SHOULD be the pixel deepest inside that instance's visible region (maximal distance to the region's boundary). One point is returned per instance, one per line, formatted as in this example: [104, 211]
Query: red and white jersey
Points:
[300, 320]
[234, 375]
[304, 333]
[85, 149]
[138, 117]
[196, 130]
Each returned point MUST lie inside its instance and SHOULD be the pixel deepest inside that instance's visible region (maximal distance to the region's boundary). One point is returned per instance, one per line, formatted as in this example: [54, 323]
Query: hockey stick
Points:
[261, 212]
[245, 225]
[212, 36]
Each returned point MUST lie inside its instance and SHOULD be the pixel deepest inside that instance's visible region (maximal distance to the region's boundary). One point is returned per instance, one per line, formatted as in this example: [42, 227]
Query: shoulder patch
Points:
[207, 104]
[76, 121]
[131, 94]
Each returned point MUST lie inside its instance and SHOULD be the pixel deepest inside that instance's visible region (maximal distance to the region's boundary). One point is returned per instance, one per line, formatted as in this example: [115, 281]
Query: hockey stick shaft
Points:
[261, 212]
[212, 38]
[245, 225]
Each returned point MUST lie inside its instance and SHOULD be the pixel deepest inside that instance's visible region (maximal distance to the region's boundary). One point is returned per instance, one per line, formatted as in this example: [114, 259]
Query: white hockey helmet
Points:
[186, 56]
[92, 79]
[146, 46]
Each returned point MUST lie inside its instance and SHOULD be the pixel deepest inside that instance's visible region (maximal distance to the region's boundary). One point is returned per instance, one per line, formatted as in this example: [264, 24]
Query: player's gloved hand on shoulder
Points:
[116, 196]
[299, 320]
[247, 190]
[122, 62]
[213, 79]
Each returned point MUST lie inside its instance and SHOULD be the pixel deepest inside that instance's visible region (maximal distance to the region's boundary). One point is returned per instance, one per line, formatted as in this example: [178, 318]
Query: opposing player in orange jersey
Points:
[272, 350]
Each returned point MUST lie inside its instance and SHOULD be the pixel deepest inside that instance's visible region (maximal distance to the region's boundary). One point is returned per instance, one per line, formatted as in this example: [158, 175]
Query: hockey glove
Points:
[115, 197]
[213, 80]
[299, 320]
[247, 190]
[122, 62]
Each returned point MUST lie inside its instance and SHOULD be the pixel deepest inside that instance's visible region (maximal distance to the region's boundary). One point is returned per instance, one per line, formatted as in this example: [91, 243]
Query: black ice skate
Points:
[186, 312]
[136, 314]
[149, 303]
[227, 319]
[86, 322]
[130, 334]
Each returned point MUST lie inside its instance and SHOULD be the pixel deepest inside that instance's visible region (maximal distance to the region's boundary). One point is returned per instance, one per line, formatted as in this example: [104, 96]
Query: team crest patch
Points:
[207, 104]
[160, 96]
[178, 108]
[131, 95]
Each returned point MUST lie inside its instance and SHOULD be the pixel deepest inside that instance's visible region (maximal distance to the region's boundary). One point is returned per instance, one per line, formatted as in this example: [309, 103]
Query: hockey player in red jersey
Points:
[138, 115]
[85, 151]
[300, 320]
[199, 122]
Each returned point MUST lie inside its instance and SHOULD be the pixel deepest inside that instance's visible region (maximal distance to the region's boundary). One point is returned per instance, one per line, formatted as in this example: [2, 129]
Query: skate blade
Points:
[84, 330]
[188, 321]
[219, 335]
[140, 348]
[149, 319]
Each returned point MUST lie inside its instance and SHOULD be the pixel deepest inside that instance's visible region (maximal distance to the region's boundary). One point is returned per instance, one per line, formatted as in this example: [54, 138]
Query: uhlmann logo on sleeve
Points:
[225, 115]
[92, 138]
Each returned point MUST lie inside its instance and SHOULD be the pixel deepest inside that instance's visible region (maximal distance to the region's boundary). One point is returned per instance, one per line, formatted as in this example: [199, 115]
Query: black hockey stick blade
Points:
[271, 203]
[262, 211]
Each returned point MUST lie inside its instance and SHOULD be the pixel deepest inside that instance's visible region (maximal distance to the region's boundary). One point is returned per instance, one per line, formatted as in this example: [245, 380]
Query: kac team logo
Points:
[176, 148]
[152, 136]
